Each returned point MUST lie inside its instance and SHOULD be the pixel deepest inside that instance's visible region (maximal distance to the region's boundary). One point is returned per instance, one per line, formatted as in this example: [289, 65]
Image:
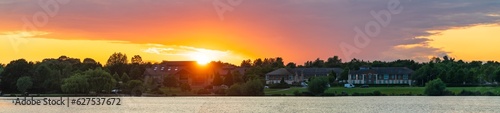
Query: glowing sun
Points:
[201, 58]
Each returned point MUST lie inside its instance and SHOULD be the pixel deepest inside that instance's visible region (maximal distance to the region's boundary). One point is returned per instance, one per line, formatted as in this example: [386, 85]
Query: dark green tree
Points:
[217, 80]
[435, 87]
[278, 63]
[116, 77]
[246, 63]
[117, 58]
[1, 68]
[100, 81]
[318, 63]
[258, 62]
[291, 65]
[238, 78]
[234, 90]
[41, 78]
[125, 78]
[77, 83]
[117, 63]
[12, 72]
[134, 85]
[332, 77]
[24, 83]
[89, 61]
[253, 87]
[228, 79]
[497, 75]
[318, 85]
[282, 81]
[334, 61]
[136, 72]
[344, 75]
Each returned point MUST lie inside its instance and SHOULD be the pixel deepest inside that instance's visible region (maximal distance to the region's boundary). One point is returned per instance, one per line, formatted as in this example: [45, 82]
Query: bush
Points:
[234, 90]
[209, 87]
[203, 92]
[156, 90]
[296, 93]
[136, 92]
[489, 93]
[276, 95]
[328, 94]
[435, 87]
[185, 87]
[296, 84]
[220, 91]
[134, 83]
[362, 94]
[253, 88]
[343, 93]
[465, 93]
[377, 93]
[409, 94]
[307, 94]
[448, 93]
[279, 86]
[318, 85]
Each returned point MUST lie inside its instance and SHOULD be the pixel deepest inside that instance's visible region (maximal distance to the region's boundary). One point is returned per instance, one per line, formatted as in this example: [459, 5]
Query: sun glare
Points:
[203, 60]
[200, 58]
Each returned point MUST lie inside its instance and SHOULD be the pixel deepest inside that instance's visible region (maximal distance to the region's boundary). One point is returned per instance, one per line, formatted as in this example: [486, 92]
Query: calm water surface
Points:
[399, 104]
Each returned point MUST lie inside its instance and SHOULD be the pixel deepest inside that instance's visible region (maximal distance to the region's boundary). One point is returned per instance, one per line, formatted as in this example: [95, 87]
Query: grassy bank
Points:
[383, 90]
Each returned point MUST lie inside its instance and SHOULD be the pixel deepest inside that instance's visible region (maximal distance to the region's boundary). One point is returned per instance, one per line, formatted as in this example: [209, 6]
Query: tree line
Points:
[451, 71]
[71, 75]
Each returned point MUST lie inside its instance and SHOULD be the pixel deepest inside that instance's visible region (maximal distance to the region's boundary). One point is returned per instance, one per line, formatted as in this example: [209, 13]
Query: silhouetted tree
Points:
[12, 72]
[136, 59]
[291, 65]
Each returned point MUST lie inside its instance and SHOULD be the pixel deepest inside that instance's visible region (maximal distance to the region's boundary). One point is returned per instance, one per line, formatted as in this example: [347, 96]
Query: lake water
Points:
[384, 104]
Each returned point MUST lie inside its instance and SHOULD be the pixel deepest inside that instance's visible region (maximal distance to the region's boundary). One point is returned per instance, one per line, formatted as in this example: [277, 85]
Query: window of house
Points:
[386, 76]
[405, 77]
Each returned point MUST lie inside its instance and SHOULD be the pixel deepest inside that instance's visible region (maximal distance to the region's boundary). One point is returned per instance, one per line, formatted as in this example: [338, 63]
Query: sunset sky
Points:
[297, 30]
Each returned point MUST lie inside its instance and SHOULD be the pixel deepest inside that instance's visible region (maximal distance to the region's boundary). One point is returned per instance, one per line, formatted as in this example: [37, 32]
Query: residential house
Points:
[381, 75]
[291, 75]
[185, 71]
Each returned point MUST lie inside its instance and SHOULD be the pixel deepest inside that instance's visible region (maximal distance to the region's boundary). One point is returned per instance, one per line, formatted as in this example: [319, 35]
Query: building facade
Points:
[184, 71]
[299, 74]
[380, 75]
